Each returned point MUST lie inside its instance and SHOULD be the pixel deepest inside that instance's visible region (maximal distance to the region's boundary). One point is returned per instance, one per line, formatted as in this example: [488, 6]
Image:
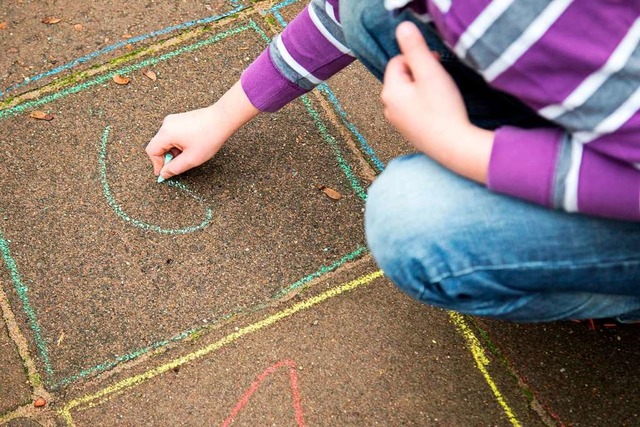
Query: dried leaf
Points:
[3, 25]
[50, 20]
[41, 115]
[128, 47]
[127, 36]
[60, 338]
[150, 74]
[78, 27]
[121, 80]
[330, 192]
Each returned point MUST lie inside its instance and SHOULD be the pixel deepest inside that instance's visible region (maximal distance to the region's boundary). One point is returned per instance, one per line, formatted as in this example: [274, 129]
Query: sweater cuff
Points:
[266, 88]
[523, 163]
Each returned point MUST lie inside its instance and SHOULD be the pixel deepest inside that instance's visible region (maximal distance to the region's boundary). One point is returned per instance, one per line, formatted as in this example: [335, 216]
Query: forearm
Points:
[234, 109]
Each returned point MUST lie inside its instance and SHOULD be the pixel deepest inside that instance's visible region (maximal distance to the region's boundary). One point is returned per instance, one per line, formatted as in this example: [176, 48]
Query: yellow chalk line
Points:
[482, 361]
[472, 342]
[65, 412]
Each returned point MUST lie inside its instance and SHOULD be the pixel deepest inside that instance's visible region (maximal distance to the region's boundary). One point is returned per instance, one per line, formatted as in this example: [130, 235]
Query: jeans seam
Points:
[530, 265]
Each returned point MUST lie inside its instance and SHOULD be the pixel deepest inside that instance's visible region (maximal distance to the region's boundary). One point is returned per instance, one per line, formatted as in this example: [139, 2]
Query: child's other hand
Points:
[196, 136]
[423, 102]
[420, 98]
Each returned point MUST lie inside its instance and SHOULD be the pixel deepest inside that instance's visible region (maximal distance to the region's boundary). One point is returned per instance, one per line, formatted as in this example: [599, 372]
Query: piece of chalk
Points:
[167, 159]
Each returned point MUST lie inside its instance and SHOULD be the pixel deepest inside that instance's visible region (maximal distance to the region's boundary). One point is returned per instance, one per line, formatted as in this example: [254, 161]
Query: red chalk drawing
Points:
[295, 392]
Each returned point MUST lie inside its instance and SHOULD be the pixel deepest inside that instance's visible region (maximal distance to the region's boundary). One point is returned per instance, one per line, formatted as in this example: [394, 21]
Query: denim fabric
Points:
[452, 243]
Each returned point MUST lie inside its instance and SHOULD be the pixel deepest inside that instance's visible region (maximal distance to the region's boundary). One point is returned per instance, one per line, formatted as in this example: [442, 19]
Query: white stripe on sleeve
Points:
[293, 63]
[571, 181]
[480, 26]
[314, 17]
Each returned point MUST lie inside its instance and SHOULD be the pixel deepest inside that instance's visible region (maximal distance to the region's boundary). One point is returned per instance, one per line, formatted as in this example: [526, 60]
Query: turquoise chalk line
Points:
[137, 223]
[364, 145]
[322, 271]
[342, 163]
[22, 291]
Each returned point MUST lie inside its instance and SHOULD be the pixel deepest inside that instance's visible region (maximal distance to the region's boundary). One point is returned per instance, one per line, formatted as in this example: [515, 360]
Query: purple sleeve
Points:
[306, 53]
[608, 187]
[522, 163]
[267, 89]
[528, 164]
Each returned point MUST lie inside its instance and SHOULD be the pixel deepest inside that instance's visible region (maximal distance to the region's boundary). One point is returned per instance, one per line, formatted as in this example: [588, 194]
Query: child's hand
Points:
[196, 136]
[422, 101]
[192, 139]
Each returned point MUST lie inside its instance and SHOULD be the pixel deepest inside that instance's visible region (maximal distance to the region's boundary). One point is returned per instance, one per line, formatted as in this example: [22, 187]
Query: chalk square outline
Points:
[135, 353]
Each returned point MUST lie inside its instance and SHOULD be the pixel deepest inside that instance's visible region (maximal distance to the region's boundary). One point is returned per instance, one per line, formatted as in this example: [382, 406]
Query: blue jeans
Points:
[452, 243]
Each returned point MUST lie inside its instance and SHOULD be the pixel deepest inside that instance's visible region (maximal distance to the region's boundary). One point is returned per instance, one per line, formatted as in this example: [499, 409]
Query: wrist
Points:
[473, 153]
[232, 110]
[465, 150]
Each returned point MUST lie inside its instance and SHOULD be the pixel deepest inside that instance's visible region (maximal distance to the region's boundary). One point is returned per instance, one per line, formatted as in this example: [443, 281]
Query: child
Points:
[469, 223]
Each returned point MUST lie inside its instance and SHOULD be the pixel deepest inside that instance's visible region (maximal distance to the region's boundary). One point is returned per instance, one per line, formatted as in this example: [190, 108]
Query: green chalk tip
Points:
[167, 158]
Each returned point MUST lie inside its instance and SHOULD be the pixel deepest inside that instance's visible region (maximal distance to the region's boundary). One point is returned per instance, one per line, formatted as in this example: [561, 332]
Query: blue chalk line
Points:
[110, 48]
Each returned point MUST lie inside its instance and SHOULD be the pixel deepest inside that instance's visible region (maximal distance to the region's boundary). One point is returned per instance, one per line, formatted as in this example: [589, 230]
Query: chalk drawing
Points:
[295, 392]
[22, 291]
[274, 9]
[118, 45]
[364, 145]
[152, 61]
[135, 222]
[482, 361]
[101, 396]
[344, 166]
[342, 163]
[322, 271]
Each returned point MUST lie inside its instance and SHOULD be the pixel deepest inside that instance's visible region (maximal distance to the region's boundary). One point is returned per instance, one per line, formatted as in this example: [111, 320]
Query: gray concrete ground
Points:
[238, 292]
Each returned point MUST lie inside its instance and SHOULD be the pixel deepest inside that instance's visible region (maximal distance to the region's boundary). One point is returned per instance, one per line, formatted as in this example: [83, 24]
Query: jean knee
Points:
[397, 230]
[420, 236]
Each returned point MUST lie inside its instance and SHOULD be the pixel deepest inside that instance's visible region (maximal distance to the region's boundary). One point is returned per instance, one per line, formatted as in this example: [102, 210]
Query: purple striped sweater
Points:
[576, 62]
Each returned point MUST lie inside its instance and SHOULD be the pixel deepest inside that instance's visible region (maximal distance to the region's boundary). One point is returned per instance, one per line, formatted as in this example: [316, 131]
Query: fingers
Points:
[155, 150]
[418, 56]
[158, 147]
[397, 71]
[396, 75]
[181, 163]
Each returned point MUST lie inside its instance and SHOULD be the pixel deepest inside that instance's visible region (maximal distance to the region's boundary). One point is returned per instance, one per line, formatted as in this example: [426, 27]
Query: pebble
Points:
[39, 402]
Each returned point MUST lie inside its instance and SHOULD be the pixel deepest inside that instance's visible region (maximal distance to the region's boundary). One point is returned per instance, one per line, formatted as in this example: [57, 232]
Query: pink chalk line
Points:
[295, 391]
